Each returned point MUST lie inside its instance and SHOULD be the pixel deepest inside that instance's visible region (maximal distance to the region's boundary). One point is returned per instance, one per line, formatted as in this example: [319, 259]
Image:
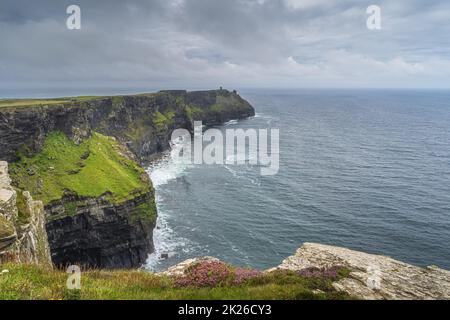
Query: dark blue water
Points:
[368, 170]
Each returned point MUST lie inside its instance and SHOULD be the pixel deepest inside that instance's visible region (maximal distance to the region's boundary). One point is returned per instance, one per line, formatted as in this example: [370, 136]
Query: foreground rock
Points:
[23, 237]
[181, 268]
[373, 277]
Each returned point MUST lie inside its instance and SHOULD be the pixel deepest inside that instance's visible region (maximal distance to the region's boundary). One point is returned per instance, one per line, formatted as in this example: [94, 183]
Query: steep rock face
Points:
[99, 234]
[141, 122]
[96, 232]
[23, 236]
[373, 277]
[24, 129]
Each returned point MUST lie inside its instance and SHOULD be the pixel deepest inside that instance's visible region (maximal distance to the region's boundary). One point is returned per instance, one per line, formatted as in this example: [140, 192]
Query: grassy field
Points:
[13, 103]
[32, 282]
[17, 103]
[91, 169]
[30, 102]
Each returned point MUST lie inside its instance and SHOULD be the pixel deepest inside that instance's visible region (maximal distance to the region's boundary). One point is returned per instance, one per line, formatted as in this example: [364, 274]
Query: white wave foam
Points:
[269, 119]
[243, 175]
[166, 242]
[261, 115]
[168, 167]
[231, 122]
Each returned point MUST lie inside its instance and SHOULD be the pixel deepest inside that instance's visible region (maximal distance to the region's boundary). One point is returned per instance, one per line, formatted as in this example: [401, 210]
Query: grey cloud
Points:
[204, 43]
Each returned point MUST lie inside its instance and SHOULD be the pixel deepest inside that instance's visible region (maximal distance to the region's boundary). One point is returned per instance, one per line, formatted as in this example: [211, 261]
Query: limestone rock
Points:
[33, 244]
[8, 195]
[373, 277]
[21, 242]
[180, 269]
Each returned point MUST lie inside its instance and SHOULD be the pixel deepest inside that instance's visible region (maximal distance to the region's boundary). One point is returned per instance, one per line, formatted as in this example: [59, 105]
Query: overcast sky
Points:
[233, 43]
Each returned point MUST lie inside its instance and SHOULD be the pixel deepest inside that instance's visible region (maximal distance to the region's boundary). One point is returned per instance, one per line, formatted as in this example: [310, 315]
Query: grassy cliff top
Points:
[27, 282]
[12, 103]
[96, 167]
[71, 101]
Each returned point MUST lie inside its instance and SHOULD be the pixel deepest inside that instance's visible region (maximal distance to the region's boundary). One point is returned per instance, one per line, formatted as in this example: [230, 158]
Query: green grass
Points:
[94, 168]
[33, 282]
[163, 120]
[6, 227]
[30, 102]
[13, 103]
[118, 100]
[66, 101]
[216, 107]
[84, 98]
[24, 214]
[70, 208]
[192, 111]
[144, 212]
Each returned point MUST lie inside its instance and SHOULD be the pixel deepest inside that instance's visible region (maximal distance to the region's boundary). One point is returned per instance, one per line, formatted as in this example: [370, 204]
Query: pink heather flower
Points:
[205, 274]
[213, 274]
[241, 275]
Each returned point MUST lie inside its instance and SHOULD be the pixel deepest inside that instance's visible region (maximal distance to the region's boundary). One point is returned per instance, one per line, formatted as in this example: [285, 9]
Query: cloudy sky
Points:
[233, 43]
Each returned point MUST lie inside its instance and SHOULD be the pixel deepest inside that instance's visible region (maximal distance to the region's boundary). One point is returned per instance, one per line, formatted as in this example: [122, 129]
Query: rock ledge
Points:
[373, 277]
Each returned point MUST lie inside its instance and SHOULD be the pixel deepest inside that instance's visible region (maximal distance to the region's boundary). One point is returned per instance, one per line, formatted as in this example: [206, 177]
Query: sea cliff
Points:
[83, 158]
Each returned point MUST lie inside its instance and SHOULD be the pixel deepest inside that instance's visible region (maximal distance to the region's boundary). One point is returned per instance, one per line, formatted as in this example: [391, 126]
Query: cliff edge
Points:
[315, 272]
[373, 277]
[83, 157]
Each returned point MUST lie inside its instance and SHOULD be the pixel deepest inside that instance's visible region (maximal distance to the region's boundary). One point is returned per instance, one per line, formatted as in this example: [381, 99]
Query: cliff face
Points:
[100, 233]
[143, 123]
[96, 227]
[23, 236]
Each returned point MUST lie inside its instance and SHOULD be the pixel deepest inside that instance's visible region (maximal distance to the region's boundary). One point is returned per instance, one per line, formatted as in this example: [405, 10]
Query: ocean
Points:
[364, 169]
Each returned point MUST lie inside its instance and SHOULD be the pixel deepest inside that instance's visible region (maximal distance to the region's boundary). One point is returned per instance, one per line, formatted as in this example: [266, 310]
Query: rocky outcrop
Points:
[8, 216]
[8, 195]
[181, 268]
[23, 236]
[373, 277]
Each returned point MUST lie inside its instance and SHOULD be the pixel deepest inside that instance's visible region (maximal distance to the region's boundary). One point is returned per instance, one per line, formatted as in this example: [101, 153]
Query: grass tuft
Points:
[96, 167]
[33, 282]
